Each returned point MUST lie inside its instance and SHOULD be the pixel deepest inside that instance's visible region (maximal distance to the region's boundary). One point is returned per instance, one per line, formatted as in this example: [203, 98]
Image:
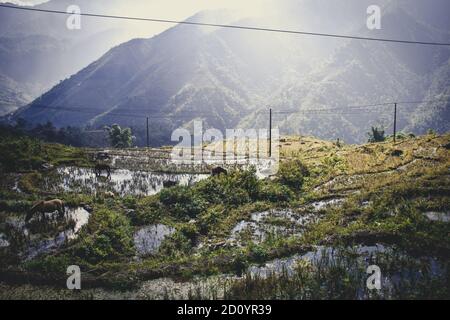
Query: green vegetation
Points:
[385, 193]
[23, 153]
[376, 135]
[342, 276]
[120, 137]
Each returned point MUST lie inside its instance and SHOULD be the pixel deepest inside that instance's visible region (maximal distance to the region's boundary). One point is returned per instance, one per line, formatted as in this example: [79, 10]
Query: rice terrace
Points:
[329, 213]
[225, 151]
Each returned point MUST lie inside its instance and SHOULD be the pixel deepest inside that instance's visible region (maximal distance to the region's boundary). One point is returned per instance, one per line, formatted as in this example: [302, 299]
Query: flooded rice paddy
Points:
[272, 223]
[147, 240]
[122, 182]
[279, 223]
[354, 259]
[438, 216]
[47, 232]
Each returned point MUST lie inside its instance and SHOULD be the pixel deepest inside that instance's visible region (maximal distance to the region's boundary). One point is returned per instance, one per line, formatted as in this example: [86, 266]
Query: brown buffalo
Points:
[109, 195]
[45, 207]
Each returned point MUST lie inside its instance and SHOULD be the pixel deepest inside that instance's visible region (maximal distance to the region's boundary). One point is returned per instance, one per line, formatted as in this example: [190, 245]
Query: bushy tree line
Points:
[115, 136]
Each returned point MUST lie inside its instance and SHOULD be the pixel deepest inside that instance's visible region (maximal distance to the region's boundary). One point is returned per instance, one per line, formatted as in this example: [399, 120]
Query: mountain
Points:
[361, 73]
[229, 77]
[185, 73]
[434, 115]
[11, 95]
[37, 50]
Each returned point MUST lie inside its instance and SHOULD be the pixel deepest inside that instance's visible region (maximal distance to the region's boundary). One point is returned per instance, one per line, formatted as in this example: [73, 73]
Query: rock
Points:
[47, 166]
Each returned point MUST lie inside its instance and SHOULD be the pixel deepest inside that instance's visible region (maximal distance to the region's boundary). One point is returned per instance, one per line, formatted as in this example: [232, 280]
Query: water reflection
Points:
[148, 239]
[275, 223]
[122, 182]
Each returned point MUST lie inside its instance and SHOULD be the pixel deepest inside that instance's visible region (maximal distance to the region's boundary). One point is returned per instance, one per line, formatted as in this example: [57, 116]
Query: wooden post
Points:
[270, 133]
[148, 139]
[395, 121]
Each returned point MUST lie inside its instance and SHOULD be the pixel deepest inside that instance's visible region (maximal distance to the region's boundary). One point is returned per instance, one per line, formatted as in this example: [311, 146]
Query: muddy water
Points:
[438, 216]
[319, 205]
[4, 243]
[212, 287]
[279, 223]
[276, 223]
[365, 256]
[122, 182]
[79, 217]
[148, 239]
[37, 243]
[289, 264]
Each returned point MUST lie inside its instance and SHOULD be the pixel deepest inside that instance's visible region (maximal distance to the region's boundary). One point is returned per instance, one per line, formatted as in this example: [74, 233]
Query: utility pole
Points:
[148, 139]
[395, 121]
[270, 133]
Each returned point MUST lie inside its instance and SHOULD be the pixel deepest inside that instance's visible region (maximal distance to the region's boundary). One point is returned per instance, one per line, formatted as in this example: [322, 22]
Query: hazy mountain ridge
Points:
[229, 78]
[362, 73]
[37, 50]
[11, 94]
[184, 70]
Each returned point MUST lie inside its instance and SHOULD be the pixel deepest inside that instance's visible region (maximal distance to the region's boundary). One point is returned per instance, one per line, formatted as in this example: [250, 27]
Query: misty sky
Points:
[170, 9]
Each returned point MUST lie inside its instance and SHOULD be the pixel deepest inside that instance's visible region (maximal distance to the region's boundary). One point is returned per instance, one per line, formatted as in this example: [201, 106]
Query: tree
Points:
[377, 135]
[120, 137]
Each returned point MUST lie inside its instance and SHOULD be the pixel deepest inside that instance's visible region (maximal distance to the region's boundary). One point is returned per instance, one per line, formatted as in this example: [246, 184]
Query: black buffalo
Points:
[218, 171]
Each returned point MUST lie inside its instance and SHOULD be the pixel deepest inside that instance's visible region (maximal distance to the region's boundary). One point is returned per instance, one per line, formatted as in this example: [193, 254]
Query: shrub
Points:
[130, 202]
[292, 174]
[212, 189]
[50, 264]
[275, 192]
[30, 182]
[210, 218]
[149, 210]
[190, 231]
[246, 180]
[176, 244]
[239, 263]
[20, 154]
[258, 253]
[237, 197]
[15, 206]
[108, 237]
[236, 188]
[182, 202]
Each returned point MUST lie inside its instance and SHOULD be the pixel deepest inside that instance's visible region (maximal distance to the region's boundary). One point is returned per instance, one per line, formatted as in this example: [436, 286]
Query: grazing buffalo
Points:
[46, 206]
[109, 195]
[99, 168]
[169, 184]
[218, 171]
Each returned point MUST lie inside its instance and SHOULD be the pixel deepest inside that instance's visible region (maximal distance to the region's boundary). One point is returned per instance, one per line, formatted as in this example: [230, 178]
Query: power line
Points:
[355, 108]
[329, 35]
[85, 110]
[350, 110]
